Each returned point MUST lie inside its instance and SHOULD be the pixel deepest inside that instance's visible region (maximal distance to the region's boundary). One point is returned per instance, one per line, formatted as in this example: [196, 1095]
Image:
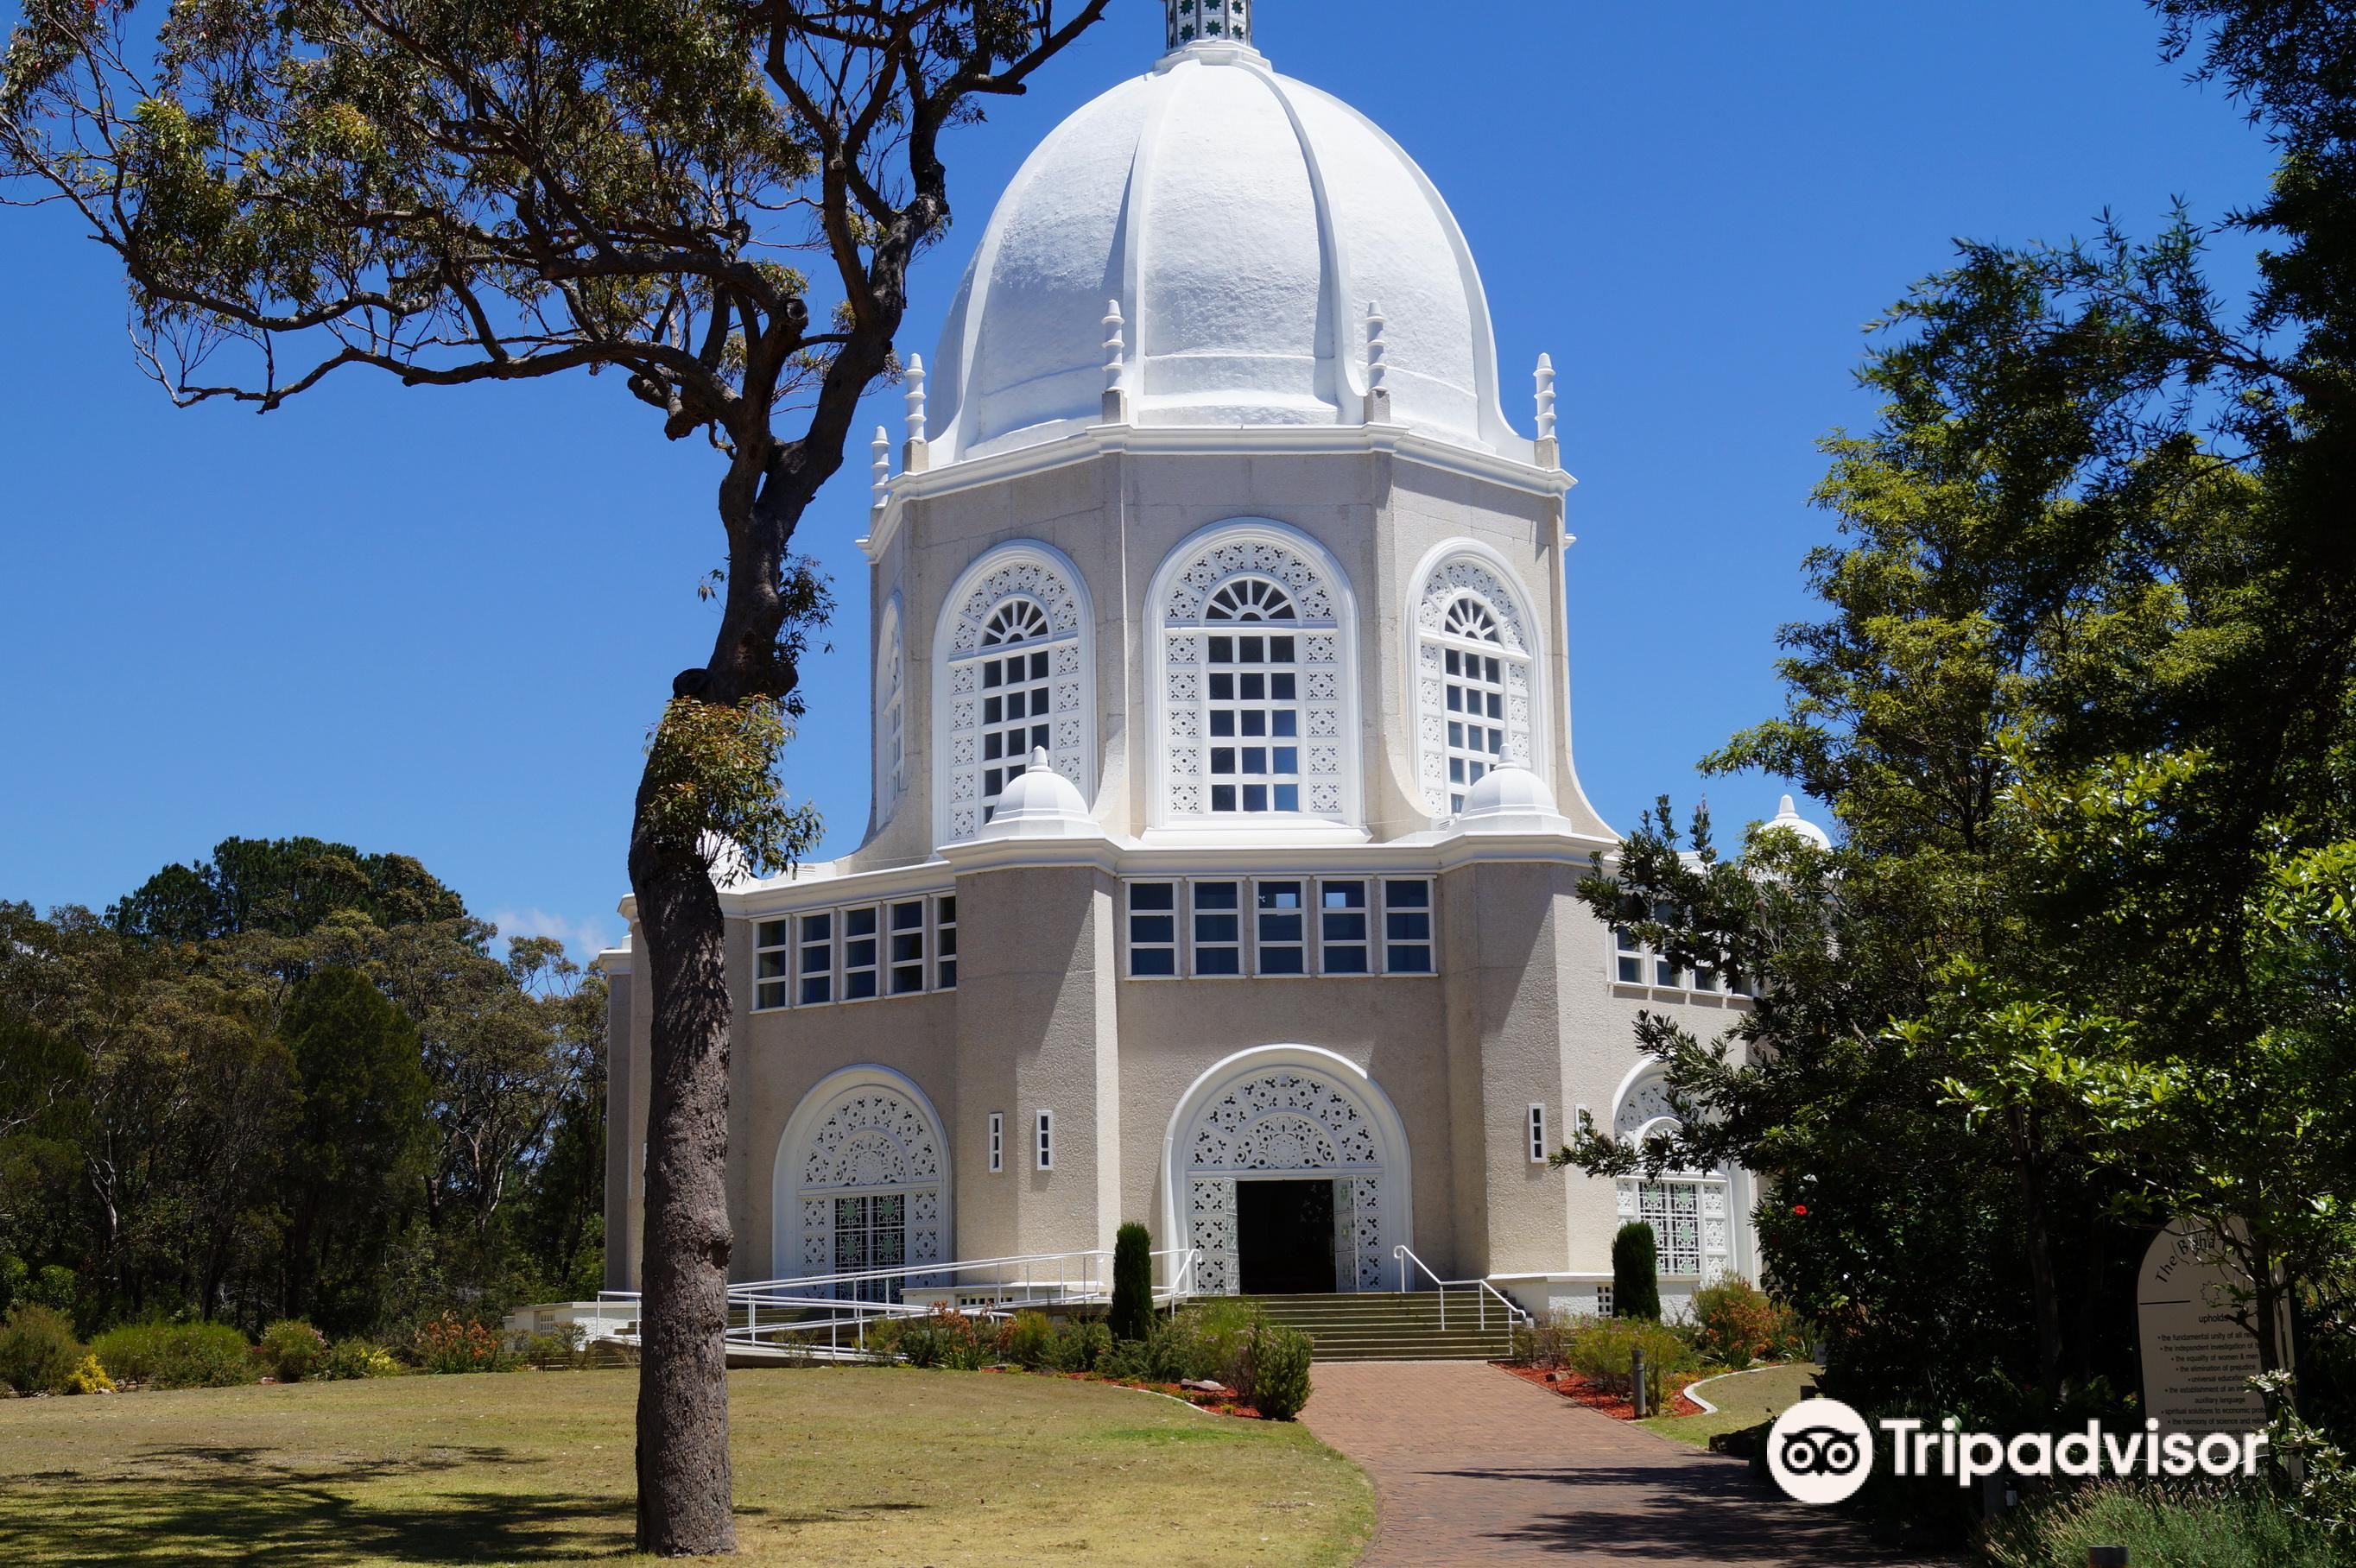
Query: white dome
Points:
[1510, 799]
[1242, 222]
[1789, 819]
[1039, 803]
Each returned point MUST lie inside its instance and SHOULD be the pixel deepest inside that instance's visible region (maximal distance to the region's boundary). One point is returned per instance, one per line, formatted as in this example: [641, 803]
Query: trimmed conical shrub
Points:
[1636, 1275]
[1131, 1317]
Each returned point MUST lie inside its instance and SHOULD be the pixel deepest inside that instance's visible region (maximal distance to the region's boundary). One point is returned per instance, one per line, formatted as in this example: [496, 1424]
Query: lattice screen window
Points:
[1015, 681]
[1474, 680]
[1673, 1208]
[1254, 699]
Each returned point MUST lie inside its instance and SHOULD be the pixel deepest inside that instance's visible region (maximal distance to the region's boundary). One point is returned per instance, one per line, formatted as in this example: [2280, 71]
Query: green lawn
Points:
[854, 1465]
[1746, 1399]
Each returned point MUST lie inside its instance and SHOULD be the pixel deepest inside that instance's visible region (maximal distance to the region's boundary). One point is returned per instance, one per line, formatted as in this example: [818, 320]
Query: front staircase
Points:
[1390, 1326]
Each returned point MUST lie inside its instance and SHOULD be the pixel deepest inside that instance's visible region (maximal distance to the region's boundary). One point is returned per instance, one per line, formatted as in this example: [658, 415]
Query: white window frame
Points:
[1023, 568]
[997, 1143]
[873, 968]
[1240, 912]
[1449, 571]
[1177, 915]
[1178, 768]
[1305, 944]
[803, 947]
[1536, 1125]
[894, 964]
[1369, 916]
[781, 952]
[1429, 910]
[1046, 1140]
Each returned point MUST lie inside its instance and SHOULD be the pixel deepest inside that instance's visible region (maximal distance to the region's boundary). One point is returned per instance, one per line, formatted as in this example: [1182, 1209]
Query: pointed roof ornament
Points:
[1546, 397]
[883, 465]
[1210, 21]
[1116, 346]
[1789, 819]
[1379, 369]
[916, 458]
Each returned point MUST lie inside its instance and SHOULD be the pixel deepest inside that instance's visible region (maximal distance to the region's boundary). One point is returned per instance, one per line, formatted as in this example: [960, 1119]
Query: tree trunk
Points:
[685, 1489]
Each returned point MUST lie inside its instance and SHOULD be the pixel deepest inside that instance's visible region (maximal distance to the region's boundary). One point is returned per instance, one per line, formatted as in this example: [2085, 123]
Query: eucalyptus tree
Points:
[457, 192]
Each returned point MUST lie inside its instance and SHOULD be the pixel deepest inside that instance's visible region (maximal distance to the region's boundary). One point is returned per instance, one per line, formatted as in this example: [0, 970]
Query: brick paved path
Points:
[1472, 1465]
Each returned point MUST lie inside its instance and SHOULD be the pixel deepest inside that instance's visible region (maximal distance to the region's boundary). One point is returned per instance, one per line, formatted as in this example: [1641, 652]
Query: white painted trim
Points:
[785, 1190]
[1155, 626]
[1398, 1160]
[942, 699]
[1536, 657]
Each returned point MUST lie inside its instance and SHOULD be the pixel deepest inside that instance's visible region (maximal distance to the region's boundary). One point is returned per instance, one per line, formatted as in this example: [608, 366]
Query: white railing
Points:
[1514, 1315]
[844, 1306]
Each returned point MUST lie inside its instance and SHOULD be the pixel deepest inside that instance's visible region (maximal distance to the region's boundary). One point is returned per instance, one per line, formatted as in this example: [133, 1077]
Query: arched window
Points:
[891, 713]
[1689, 1211]
[1253, 680]
[1016, 652]
[1474, 677]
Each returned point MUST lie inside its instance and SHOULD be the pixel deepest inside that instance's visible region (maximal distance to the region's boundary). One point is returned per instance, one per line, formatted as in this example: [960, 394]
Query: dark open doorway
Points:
[1284, 1237]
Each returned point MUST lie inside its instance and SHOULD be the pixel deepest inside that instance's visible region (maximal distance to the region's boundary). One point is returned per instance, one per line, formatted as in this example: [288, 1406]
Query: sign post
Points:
[2192, 1300]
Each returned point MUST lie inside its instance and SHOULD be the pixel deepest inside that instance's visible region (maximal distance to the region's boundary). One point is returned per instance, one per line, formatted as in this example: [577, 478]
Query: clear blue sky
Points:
[439, 621]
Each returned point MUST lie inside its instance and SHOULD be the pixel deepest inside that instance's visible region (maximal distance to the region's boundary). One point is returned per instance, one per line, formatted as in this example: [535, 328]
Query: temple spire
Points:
[1210, 21]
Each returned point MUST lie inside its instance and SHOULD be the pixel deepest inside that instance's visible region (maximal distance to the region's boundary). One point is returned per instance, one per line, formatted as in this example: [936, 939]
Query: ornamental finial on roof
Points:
[1210, 21]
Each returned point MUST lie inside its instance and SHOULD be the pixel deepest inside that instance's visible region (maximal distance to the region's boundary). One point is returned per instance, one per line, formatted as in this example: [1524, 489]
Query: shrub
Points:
[1635, 1277]
[1602, 1350]
[1546, 1342]
[292, 1349]
[941, 1338]
[451, 1344]
[1079, 1347]
[559, 1349]
[2214, 1527]
[38, 1352]
[1734, 1322]
[1272, 1372]
[1029, 1340]
[1131, 1317]
[89, 1378]
[356, 1358]
[176, 1355]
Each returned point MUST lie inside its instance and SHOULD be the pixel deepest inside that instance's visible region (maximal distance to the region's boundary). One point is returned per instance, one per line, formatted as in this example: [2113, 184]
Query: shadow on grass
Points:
[198, 1504]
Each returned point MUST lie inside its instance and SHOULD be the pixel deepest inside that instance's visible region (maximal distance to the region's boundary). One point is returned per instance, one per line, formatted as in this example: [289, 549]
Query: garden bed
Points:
[1610, 1402]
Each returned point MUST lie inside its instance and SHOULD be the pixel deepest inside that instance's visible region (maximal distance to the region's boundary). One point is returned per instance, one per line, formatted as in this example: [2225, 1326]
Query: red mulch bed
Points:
[1594, 1396]
[1216, 1403]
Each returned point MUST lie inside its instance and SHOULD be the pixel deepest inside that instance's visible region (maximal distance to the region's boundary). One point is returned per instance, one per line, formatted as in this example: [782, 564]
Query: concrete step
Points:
[1390, 1326]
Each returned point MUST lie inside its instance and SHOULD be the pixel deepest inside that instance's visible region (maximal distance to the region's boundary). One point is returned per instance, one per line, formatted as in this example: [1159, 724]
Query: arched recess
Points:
[1254, 631]
[1692, 1213]
[862, 1181]
[891, 712]
[1294, 1112]
[1475, 662]
[1014, 667]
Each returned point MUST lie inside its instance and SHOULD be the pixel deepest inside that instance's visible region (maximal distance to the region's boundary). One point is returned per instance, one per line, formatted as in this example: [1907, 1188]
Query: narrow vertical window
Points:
[1153, 929]
[1219, 928]
[1017, 696]
[1604, 1301]
[1739, 983]
[1475, 678]
[1407, 927]
[1282, 936]
[858, 955]
[945, 951]
[773, 961]
[997, 1142]
[1342, 932]
[818, 958]
[1663, 972]
[1046, 1140]
[1476, 705]
[1538, 1150]
[907, 947]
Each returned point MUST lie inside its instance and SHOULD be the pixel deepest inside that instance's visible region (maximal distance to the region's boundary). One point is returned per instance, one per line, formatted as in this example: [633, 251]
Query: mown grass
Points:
[852, 1465]
[2176, 1526]
[1745, 1399]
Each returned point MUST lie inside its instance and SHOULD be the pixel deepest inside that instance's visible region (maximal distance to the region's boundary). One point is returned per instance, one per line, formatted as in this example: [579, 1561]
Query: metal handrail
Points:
[1513, 1313]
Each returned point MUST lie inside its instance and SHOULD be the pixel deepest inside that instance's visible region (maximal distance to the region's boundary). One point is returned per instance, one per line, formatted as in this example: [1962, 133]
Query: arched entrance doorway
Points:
[861, 1181]
[1285, 1168]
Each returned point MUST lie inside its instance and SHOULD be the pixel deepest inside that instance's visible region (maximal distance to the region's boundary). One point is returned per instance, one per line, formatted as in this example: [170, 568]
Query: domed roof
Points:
[1243, 223]
[1039, 803]
[1789, 819]
[1509, 798]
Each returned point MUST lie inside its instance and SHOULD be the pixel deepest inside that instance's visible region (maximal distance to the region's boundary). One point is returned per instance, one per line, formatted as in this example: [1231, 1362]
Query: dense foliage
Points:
[1635, 1271]
[237, 1096]
[1131, 1313]
[2082, 703]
